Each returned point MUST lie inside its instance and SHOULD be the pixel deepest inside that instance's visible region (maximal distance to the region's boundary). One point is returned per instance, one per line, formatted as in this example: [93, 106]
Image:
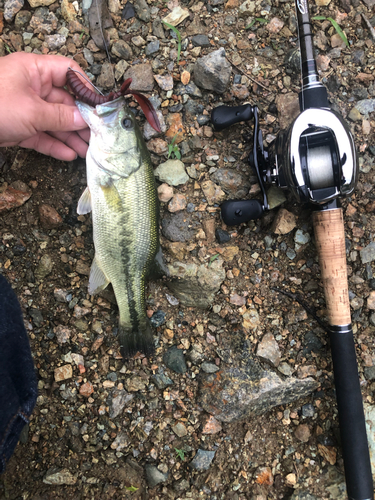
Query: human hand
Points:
[35, 110]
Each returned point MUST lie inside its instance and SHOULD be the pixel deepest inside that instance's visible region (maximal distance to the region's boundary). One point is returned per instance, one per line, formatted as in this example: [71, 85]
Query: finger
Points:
[50, 146]
[55, 70]
[59, 95]
[56, 117]
[72, 140]
[84, 134]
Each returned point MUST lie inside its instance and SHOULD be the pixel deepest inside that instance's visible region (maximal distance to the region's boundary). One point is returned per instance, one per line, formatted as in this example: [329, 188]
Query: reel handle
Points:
[234, 212]
[224, 116]
[330, 242]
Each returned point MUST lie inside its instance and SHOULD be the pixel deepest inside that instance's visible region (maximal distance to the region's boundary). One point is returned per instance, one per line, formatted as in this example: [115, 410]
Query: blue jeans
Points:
[18, 381]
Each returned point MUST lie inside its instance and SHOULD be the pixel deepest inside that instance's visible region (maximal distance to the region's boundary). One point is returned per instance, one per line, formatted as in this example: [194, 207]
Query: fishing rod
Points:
[316, 160]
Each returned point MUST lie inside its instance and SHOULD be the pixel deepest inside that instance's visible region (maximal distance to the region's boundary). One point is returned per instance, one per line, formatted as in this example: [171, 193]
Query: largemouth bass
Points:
[121, 193]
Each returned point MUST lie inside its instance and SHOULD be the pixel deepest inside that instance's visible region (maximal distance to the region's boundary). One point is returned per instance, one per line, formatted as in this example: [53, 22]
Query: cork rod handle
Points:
[330, 242]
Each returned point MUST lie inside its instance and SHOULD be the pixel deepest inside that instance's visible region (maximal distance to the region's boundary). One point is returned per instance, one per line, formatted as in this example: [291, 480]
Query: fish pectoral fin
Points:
[98, 280]
[84, 203]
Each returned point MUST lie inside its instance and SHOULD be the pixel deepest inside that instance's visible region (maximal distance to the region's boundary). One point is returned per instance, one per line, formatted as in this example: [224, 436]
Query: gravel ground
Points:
[189, 422]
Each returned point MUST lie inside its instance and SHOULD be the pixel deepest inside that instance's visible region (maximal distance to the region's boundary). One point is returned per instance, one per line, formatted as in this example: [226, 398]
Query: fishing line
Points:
[104, 41]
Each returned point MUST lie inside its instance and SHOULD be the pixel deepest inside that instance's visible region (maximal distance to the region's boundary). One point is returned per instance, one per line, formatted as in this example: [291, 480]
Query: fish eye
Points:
[126, 123]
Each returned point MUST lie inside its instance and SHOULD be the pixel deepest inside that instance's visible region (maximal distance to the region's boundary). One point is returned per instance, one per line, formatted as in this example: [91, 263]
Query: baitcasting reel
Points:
[314, 158]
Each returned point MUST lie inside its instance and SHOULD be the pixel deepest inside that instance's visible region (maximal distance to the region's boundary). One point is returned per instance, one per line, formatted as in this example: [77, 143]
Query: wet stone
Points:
[174, 359]
[202, 460]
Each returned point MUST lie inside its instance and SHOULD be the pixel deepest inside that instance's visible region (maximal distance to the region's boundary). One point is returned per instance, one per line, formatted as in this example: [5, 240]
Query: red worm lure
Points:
[88, 96]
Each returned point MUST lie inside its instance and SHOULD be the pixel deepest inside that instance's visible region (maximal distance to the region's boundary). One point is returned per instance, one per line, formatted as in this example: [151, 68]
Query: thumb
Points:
[56, 117]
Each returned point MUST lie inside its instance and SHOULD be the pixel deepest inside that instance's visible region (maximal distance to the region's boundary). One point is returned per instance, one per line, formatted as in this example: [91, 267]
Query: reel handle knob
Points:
[234, 212]
[225, 116]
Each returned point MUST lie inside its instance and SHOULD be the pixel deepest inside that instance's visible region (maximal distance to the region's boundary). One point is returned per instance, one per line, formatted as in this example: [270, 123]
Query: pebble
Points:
[44, 267]
[222, 236]
[11, 198]
[49, 217]
[284, 222]
[368, 253]
[213, 71]
[158, 318]
[179, 429]
[63, 334]
[209, 367]
[303, 433]
[161, 379]
[86, 389]
[177, 227]
[154, 476]
[63, 373]
[202, 460]
[59, 477]
[172, 172]
[177, 203]
[264, 476]
[268, 350]
[174, 359]
[371, 300]
[211, 426]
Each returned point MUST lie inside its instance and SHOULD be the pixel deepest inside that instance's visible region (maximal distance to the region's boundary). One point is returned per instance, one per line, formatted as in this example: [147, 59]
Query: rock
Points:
[212, 72]
[303, 433]
[250, 319]
[371, 301]
[275, 197]
[158, 318]
[172, 172]
[86, 389]
[55, 42]
[179, 429]
[121, 441]
[288, 109]
[222, 236]
[63, 334]
[165, 82]
[212, 192]
[365, 106]
[174, 359]
[106, 78]
[246, 9]
[176, 130]
[196, 285]
[161, 379]
[122, 50]
[368, 253]
[135, 383]
[44, 267]
[264, 476]
[209, 367]
[176, 16]
[117, 401]
[36, 316]
[275, 25]
[157, 145]
[154, 476]
[142, 77]
[212, 426]
[68, 11]
[233, 183]
[284, 222]
[43, 21]
[58, 477]
[268, 350]
[177, 203]
[49, 217]
[12, 198]
[233, 394]
[63, 373]
[202, 460]
[11, 7]
[177, 227]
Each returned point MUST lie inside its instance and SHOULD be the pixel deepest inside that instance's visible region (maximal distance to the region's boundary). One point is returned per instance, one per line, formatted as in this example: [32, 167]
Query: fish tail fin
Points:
[136, 340]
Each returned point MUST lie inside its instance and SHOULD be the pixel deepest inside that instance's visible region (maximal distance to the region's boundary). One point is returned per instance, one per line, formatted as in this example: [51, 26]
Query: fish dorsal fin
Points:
[98, 280]
[84, 203]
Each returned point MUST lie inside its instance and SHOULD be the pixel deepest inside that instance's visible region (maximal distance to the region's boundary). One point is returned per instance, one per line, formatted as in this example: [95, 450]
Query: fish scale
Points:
[124, 204]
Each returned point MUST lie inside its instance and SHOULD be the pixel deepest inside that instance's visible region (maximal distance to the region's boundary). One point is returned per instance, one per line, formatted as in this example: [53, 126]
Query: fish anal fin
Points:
[159, 267]
[84, 203]
[98, 280]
